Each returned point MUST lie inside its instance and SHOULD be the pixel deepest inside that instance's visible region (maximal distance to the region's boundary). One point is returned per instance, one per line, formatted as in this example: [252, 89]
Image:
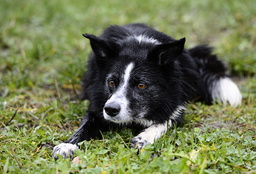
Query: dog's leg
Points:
[150, 134]
[67, 148]
[89, 128]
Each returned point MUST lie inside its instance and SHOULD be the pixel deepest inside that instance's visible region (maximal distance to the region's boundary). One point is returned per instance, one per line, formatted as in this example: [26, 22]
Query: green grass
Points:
[42, 59]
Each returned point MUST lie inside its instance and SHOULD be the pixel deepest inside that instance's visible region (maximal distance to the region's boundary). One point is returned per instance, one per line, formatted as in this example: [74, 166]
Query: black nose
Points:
[112, 109]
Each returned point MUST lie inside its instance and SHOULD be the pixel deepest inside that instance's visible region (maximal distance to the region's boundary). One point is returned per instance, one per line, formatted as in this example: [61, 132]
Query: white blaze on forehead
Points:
[127, 74]
[120, 97]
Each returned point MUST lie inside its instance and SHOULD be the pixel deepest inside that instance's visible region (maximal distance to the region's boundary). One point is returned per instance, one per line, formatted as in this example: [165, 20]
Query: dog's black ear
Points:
[100, 46]
[166, 53]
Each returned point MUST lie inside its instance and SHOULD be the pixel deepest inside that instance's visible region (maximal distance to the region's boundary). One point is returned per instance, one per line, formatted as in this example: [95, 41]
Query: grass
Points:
[43, 57]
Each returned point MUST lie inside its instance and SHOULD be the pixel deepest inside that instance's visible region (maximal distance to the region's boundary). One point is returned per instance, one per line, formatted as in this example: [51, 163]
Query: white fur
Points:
[120, 97]
[154, 131]
[177, 112]
[226, 91]
[64, 149]
[146, 39]
[143, 122]
[149, 135]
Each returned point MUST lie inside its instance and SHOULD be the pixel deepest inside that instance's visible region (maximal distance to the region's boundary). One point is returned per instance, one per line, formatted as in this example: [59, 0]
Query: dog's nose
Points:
[112, 109]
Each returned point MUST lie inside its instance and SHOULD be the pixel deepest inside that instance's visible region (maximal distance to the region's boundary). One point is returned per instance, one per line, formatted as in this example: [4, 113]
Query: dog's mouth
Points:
[120, 119]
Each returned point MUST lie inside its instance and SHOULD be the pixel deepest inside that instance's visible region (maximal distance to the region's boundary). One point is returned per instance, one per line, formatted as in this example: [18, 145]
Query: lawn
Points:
[43, 57]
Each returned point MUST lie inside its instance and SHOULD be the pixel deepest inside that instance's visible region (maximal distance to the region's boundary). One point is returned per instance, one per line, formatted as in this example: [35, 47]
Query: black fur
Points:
[210, 69]
[172, 75]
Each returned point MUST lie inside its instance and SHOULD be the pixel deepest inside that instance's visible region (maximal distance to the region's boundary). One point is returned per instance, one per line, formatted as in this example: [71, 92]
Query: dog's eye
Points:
[142, 86]
[111, 83]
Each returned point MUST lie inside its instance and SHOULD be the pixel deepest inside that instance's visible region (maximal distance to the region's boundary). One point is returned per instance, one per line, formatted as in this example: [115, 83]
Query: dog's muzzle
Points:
[112, 109]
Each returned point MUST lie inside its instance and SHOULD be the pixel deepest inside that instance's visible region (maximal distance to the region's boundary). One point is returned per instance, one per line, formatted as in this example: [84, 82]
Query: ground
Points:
[43, 57]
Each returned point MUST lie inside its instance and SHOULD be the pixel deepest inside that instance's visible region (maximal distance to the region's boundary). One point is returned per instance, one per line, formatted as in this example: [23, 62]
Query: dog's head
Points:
[141, 79]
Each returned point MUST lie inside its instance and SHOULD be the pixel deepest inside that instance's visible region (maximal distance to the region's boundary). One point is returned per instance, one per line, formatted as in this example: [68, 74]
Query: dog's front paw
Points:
[66, 150]
[139, 142]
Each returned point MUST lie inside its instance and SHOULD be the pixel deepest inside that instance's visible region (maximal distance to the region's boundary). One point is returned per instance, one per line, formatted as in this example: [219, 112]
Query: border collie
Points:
[137, 76]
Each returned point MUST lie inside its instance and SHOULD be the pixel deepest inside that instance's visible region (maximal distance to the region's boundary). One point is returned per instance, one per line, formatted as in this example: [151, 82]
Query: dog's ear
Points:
[100, 46]
[166, 53]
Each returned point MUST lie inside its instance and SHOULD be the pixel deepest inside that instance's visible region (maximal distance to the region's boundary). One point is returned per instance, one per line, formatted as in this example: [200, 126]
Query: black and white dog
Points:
[139, 76]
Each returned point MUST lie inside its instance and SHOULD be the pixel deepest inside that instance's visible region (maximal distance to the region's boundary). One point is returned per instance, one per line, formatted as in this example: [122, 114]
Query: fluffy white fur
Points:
[227, 92]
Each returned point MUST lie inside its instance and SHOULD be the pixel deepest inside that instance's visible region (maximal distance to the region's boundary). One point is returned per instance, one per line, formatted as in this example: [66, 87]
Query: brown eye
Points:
[141, 86]
[111, 83]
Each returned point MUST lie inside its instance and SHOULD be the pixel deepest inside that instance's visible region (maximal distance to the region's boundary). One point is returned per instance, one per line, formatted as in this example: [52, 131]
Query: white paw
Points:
[64, 149]
[149, 135]
[139, 142]
[226, 91]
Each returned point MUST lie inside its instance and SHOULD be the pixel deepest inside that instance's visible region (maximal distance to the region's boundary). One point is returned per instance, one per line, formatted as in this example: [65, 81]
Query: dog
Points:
[140, 77]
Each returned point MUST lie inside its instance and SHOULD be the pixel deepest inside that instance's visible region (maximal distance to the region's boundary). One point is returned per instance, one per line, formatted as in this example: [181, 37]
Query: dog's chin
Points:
[117, 119]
